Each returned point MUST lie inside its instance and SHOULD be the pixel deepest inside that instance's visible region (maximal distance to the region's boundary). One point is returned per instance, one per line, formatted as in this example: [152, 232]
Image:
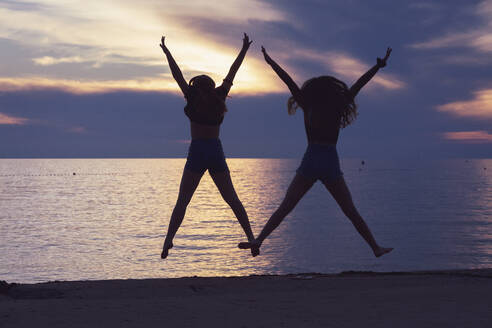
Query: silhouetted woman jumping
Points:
[328, 105]
[205, 108]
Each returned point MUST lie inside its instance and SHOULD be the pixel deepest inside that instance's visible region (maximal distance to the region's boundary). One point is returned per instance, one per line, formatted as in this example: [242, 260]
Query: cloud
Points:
[20, 5]
[166, 84]
[148, 124]
[451, 40]
[480, 106]
[77, 129]
[469, 136]
[103, 33]
[182, 141]
[465, 59]
[423, 5]
[12, 120]
[349, 67]
[47, 60]
[86, 87]
[479, 39]
[234, 11]
[83, 47]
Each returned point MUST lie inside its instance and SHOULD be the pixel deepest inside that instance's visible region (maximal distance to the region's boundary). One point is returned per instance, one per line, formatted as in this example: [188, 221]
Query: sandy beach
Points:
[350, 299]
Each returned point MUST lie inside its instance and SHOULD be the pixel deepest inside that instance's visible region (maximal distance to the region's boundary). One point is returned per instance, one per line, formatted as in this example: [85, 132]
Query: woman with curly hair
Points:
[328, 105]
[205, 108]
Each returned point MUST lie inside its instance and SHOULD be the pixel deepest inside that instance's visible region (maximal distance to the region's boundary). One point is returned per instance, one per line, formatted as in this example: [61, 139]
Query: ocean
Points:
[79, 219]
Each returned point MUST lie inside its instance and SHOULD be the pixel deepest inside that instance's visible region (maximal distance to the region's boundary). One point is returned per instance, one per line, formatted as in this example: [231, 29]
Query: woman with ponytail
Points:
[328, 105]
[205, 108]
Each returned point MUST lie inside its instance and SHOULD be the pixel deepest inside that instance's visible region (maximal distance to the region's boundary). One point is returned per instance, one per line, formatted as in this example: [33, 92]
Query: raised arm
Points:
[362, 81]
[294, 89]
[178, 76]
[237, 63]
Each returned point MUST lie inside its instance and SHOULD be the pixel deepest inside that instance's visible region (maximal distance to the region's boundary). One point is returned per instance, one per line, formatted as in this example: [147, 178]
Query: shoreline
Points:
[483, 272]
[441, 298]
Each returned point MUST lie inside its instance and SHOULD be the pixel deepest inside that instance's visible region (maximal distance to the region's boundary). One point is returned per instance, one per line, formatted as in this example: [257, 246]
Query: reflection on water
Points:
[109, 218]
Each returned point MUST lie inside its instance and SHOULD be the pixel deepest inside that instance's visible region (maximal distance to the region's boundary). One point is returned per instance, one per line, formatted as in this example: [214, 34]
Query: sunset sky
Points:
[88, 79]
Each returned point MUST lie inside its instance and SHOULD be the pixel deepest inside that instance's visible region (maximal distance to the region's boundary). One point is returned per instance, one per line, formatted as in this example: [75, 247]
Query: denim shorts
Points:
[320, 162]
[206, 154]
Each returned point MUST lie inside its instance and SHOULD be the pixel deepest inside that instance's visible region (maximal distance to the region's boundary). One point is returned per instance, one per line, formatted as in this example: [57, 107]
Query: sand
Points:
[418, 299]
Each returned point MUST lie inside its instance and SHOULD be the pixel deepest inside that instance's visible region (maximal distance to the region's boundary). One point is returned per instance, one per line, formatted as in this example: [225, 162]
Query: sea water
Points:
[76, 219]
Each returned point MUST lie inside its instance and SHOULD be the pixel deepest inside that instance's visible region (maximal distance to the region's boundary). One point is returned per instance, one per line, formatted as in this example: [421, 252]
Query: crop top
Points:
[204, 116]
[322, 126]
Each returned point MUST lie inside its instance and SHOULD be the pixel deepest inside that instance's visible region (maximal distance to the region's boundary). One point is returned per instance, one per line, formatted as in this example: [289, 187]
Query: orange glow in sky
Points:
[117, 42]
[12, 120]
[480, 106]
[470, 136]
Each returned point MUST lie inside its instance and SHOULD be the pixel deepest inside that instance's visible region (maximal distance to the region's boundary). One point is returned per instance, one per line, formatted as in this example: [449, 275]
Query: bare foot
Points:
[244, 245]
[255, 251]
[254, 245]
[165, 250]
[382, 250]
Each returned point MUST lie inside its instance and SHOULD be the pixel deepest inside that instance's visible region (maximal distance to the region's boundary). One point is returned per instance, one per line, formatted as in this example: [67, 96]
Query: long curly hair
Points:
[326, 93]
[203, 96]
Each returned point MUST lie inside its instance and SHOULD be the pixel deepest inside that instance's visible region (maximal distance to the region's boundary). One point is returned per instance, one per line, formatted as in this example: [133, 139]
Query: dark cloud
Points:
[94, 71]
[153, 124]
[17, 60]
[402, 123]
[20, 5]
[14, 58]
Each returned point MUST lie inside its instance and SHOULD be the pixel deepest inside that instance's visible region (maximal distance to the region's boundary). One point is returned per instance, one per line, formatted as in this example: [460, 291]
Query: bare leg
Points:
[341, 193]
[224, 183]
[189, 183]
[297, 189]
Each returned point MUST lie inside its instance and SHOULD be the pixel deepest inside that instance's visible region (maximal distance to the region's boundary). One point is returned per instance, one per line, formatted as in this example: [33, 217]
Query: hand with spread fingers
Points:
[246, 41]
[267, 57]
[382, 62]
[163, 45]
